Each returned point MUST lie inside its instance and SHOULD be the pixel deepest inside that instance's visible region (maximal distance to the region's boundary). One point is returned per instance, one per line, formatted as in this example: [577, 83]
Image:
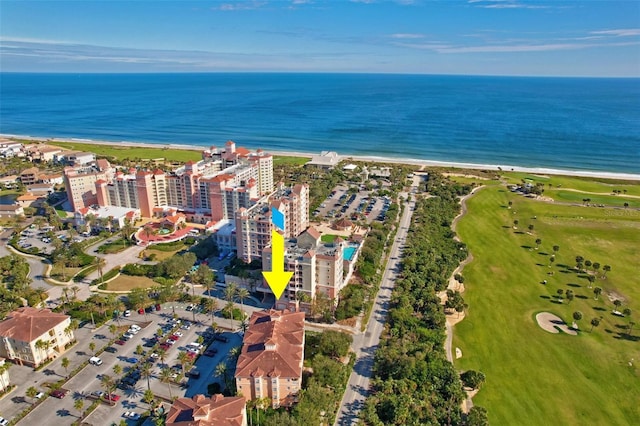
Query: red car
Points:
[141, 311]
[59, 393]
[120, 342]
[165, 346]
[111, 397]
[174, 337]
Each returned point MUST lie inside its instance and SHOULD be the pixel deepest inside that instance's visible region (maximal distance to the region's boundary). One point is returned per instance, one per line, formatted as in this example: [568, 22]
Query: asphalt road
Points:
[365, 345]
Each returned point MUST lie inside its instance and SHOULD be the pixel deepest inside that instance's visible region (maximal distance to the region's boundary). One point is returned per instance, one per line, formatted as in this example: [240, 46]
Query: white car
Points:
[132, 331]
[127, 335]
[127, 313]
[95, 360]
[178, 333]
[132, 415]
[3, 421]
[135, 327]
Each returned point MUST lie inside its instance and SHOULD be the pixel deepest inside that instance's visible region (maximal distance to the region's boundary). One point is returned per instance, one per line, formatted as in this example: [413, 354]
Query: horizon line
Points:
[323, 72]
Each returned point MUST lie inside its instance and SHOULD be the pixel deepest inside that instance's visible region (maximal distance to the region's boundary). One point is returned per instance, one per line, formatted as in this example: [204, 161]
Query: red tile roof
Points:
[27, 324]
[273, 345]
[202, 411]
[313, 232]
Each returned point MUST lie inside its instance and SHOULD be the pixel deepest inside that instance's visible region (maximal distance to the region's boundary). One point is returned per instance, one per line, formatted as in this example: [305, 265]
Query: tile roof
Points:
[273, 345]
[27, 324]
[202, 411]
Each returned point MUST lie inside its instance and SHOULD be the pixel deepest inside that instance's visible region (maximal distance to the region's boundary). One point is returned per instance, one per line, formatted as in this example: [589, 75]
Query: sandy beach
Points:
[412, 161]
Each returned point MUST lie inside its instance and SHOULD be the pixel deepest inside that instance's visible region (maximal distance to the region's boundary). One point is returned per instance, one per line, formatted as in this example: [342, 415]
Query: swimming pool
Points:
[349, 252]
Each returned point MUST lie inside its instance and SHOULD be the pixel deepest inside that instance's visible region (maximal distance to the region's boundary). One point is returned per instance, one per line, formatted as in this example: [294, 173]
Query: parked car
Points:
[221, 338]
[59, 393]
[158, 307]
[3, 421]
[120, 342]
[111, 397]
[141, 311]
[210, 352]
[111, 349]
[127, 313]
[195, 373]
[94, 360]
[39, 395]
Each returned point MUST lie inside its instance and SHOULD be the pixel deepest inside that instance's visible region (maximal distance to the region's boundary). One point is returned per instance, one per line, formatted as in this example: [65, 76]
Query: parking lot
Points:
[360, 205]
[41, 238]
[86, 385]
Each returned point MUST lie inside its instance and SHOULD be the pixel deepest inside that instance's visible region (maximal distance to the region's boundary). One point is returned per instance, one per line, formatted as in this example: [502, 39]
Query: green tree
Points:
[242, 294]
[223, 371]
[617, 303]
[92, 347]
[473, 379]
[605, 268]
[149, 397]
[538, 242]
[113, 329]
[577, 316]
[597, 291]
[108, 384]
[569, 295]
[594, 323]
[477, 417]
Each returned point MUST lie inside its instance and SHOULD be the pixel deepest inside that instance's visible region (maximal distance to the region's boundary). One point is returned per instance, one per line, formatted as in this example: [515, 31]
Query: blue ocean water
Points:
[560, 123]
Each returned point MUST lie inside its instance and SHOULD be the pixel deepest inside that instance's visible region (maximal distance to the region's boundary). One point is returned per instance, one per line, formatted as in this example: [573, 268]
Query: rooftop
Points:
[202, 411]
[27, 324]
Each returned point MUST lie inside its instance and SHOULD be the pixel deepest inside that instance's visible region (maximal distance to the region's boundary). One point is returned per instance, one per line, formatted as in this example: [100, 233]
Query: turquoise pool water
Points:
[348, 252]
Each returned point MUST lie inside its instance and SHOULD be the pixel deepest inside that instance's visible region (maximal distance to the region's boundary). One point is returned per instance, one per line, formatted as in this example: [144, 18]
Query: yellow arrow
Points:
[277, 278]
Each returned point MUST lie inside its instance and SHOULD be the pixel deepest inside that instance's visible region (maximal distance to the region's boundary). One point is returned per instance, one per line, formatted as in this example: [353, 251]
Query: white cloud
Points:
[619, 33]
[504, 4]
[406, 35]
[249, 5]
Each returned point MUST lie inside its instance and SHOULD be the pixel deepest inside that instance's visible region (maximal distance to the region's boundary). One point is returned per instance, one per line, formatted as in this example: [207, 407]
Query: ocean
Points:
[580, 124]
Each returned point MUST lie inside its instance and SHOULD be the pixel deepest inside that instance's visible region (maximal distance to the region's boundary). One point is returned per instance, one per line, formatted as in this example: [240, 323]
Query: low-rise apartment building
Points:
[30, 336]
[270, 363]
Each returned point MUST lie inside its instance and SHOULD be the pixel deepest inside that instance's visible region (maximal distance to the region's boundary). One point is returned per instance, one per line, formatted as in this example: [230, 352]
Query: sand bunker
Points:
[553, 324]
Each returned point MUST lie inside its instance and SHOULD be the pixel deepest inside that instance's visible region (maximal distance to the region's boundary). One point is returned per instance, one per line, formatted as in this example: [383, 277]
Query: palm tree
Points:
[515, 224]
[579, 262]
[560, 291]
[183, 359]
[597, 291]
[65, 364]
[626, 312]
[229, 294]
[630, 327]
[605, 268]
[587, 264]
[31, 393]
[78, 405]
[530, 227]
[113, 329]
[92, 347]
[594, 323]
[242, 294]
[149, 397]
[165, 377]
[147, 373]
[3, 369]
[223, 370]
[117, 369]
[551, 260]
[538, 242]
[40, 345]
[596, 267]
[108, 384]
[591, 279]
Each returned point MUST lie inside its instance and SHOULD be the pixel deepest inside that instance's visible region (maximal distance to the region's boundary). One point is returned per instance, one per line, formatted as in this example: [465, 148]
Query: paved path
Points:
[365, 345]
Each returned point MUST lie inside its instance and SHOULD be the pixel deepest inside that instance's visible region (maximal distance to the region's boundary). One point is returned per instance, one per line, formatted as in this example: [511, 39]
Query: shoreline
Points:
[347, 157]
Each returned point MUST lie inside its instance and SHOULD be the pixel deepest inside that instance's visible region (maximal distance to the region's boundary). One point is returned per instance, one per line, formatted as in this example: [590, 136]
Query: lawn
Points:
[127, 282]
[328, 238]
[603, 186]
[285, 160]
[531, 374]
[161, 255]
[128, 152]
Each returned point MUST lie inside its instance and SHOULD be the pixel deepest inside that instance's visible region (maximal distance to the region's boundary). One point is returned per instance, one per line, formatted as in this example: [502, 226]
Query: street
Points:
[365, 345]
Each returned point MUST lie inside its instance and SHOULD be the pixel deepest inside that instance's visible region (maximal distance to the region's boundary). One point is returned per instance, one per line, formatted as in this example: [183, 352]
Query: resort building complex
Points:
[202, 411]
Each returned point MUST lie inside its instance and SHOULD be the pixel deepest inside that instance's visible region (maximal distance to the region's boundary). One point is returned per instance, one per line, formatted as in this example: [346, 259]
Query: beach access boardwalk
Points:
[365, 345]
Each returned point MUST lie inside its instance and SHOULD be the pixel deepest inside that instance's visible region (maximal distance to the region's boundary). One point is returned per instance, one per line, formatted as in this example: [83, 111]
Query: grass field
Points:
[535, 377]
[281, 160]
[162, 255]
[128, 152]
[127, 282]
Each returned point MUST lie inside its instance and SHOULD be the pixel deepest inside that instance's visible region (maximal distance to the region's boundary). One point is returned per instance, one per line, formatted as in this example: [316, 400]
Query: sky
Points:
[472, 37]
